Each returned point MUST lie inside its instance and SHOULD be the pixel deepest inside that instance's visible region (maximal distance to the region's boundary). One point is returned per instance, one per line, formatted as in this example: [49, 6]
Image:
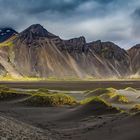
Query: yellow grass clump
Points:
[136, 108]
[50, 100]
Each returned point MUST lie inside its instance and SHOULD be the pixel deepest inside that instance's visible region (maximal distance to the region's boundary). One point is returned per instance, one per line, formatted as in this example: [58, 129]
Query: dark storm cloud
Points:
[136, 13]
[40, 6]
[113, 20]
[22, 10]
[37, 6]
[136, 22]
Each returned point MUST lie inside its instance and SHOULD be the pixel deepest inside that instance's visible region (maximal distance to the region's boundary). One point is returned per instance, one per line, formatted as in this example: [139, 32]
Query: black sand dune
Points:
[91, 120]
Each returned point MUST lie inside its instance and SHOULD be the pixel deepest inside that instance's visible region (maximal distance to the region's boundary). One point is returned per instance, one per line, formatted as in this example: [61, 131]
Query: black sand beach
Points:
[67, 122]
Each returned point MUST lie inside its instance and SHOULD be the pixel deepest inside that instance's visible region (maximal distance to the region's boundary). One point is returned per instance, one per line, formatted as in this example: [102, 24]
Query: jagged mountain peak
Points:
[100, 46]
[6, 33]
[108, 50]
[37, 29]
[34, 32]
[137, 46]
[81, 39]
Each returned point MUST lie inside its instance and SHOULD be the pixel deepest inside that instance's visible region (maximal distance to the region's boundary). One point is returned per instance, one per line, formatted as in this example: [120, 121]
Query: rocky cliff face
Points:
[38, 53]
[134, 54]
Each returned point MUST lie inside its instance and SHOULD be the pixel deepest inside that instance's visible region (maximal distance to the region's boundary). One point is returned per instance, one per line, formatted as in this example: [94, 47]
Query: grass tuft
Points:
[122, 99]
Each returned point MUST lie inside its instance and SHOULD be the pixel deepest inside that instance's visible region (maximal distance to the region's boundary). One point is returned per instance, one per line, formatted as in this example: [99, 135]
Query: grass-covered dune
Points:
[99, 91]
[120, 99]
[136, 108]
[50, 100]
[115, 98]
[130, 89]
[100, 99]
[109, 94]
[42, 97]
[10, 94]
[98, 105]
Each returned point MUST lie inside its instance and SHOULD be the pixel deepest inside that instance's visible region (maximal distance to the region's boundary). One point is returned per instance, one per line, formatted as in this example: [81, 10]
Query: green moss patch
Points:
[7, 44]
[121, 99]
[116, 98]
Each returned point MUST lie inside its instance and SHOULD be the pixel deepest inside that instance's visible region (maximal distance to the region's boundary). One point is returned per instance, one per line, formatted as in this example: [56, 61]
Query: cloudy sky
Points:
[107, 20]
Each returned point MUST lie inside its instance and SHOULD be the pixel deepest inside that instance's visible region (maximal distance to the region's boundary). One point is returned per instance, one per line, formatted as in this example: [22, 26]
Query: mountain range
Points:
[35, 52]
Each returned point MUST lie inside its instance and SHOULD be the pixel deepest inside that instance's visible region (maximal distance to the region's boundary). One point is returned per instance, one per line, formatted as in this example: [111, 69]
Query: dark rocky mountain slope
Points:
[6, 33]
[38, 53]
[134, 54]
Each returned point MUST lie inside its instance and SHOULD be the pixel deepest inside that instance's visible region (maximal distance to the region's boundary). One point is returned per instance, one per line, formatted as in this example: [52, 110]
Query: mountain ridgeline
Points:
[35, 52]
